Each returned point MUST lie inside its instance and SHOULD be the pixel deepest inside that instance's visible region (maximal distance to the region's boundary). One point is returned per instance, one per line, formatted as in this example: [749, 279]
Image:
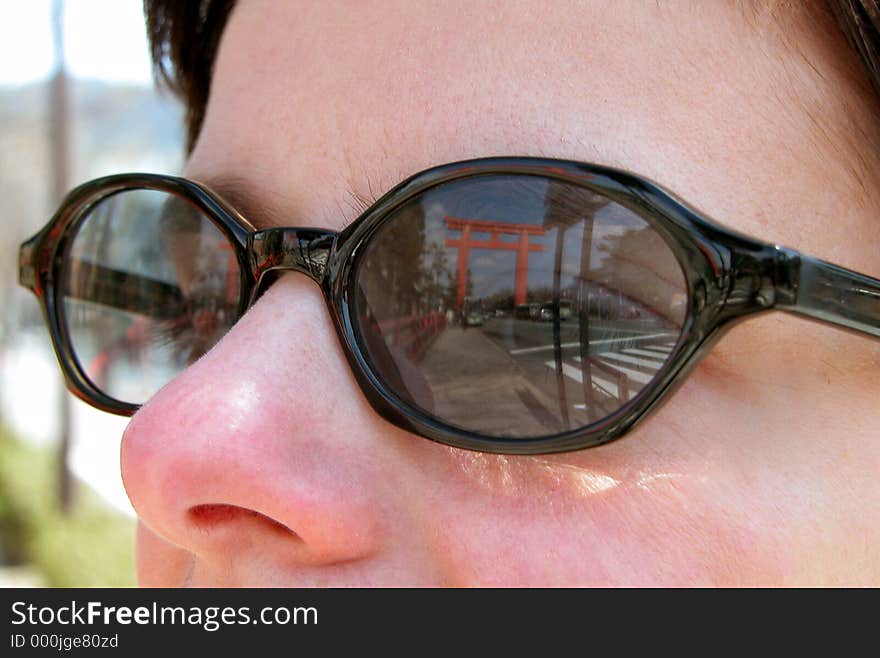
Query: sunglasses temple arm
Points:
[831, 294]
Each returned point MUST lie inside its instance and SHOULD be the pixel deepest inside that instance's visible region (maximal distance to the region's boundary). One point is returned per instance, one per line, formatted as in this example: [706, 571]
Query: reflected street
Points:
[483, 377]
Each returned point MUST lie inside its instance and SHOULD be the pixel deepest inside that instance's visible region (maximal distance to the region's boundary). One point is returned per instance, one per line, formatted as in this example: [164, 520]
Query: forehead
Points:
[318, 104]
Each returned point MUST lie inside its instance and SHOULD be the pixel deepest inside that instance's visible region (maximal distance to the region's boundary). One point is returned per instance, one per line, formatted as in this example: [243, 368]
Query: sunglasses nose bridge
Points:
[305, 250]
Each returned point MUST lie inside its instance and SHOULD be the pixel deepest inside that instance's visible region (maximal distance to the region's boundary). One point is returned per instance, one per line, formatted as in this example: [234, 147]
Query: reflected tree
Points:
[398, 264]
[439, 285]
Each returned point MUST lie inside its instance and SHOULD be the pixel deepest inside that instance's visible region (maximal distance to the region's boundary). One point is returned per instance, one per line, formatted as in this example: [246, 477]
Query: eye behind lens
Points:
[149, 283]
[517, 306]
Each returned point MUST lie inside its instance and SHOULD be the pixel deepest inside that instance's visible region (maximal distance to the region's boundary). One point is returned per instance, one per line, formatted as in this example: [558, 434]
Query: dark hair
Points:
[860, 22]
[184, 37]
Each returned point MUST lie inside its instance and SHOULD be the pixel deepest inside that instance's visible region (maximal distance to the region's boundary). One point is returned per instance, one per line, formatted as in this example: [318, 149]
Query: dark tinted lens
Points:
[517, 306]
[149, 285]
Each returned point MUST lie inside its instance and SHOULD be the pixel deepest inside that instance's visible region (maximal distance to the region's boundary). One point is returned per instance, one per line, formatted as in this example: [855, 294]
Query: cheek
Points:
[558, 527]
[680, 501]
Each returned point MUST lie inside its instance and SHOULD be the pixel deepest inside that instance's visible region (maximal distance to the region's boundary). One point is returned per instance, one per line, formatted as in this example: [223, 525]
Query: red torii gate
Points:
[494, 229]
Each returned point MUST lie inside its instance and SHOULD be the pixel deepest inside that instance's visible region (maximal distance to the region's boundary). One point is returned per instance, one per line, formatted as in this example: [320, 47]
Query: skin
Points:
[263, 464]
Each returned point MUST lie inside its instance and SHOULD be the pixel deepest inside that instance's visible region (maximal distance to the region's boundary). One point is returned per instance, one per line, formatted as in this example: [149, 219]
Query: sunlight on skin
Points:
[646, 481]
[501, 474]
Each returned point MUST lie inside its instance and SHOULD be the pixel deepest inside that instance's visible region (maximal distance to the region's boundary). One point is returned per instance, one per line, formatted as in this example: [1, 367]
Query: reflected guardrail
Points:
[414, 334]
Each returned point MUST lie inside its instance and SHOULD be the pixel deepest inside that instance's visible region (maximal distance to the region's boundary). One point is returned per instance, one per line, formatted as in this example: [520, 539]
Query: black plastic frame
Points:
[730, 277]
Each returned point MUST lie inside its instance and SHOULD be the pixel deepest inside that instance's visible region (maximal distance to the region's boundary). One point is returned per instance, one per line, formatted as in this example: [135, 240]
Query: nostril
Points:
[213, 516]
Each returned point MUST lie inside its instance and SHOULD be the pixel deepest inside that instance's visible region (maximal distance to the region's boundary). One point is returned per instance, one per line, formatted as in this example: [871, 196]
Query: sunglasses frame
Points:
[730, 276]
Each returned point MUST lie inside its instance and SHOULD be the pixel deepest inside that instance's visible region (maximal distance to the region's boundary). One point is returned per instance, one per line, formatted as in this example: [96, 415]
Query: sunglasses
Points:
[509, 305]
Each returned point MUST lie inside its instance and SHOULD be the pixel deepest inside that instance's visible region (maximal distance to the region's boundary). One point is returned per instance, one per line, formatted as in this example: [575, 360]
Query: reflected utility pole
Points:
[568, 205]
[59, 146]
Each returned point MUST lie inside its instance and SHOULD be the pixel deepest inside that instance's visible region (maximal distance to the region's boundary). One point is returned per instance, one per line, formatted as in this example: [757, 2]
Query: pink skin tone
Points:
[263, 464]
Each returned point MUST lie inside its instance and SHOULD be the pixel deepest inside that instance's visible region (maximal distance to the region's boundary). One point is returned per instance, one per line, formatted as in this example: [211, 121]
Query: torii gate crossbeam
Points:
[495, 230]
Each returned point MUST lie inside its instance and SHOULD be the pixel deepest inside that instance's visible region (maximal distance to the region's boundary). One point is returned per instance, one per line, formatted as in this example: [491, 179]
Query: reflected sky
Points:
[525, 203]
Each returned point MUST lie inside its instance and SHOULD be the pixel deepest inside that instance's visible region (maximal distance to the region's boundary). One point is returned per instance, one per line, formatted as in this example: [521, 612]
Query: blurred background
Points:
[77, 101]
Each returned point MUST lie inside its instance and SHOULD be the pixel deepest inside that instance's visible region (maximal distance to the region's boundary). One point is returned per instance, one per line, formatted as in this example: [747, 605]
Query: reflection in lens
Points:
[149, 285]
[517, 306]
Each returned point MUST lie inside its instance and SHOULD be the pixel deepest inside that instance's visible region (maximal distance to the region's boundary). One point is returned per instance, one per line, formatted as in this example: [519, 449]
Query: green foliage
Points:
[91, 546]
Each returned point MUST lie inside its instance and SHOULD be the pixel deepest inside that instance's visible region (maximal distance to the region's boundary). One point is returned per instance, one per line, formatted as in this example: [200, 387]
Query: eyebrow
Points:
[242, 195]
[264, 207]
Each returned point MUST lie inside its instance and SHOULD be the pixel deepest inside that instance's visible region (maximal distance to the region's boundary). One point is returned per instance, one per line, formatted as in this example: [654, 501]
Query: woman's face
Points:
[263, 464]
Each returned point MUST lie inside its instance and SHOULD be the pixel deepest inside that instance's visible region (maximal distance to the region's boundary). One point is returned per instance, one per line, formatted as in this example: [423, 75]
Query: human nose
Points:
[266, 445]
